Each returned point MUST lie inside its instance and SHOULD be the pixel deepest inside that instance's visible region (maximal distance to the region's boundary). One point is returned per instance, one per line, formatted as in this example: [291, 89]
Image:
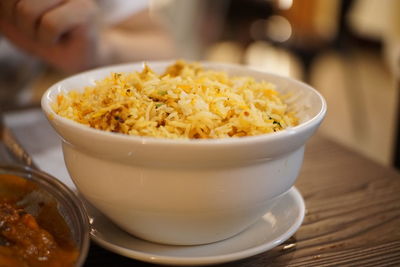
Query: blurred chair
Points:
[396, 153]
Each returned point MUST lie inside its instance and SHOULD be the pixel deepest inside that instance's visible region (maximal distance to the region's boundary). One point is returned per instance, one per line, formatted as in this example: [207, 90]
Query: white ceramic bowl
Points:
[184, 191]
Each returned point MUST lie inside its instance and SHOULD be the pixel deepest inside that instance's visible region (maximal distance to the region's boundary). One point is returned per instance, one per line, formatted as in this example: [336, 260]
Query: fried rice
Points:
[186, 101]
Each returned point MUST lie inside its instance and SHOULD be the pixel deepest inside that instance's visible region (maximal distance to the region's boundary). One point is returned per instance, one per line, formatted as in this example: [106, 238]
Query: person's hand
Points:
[61, 32]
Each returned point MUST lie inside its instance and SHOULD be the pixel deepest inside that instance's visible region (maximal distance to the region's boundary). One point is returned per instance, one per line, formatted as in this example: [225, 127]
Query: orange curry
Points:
[28, 241]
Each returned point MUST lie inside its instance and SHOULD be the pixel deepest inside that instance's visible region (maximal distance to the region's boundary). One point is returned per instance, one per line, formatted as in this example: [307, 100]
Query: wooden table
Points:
[352, 219]
[353, 207]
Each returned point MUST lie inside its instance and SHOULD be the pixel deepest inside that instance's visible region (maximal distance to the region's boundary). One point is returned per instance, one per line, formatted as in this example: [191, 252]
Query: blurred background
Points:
[349, 50]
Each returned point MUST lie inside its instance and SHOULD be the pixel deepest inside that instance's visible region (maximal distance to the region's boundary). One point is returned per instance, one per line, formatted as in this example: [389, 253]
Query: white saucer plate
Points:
[276, 226]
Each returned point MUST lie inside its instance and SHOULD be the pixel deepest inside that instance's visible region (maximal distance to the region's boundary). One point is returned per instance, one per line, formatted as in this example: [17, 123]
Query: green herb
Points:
[277, 122]
[162, 92]
[118, 118]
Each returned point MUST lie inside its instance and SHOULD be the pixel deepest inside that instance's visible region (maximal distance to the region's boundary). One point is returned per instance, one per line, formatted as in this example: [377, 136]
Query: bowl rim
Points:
[39, 177]
[304, 126]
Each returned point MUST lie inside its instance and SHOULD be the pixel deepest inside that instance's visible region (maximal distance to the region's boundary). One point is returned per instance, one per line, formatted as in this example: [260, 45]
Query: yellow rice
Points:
[187, 101]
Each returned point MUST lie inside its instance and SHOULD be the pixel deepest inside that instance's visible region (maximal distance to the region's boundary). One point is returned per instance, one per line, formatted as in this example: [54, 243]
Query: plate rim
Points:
[209, 260]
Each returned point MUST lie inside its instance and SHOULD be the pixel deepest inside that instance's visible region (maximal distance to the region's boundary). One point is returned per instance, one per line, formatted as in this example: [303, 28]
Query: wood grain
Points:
[352, 219]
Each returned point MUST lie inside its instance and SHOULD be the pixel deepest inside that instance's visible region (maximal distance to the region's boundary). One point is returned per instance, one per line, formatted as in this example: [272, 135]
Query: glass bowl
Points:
[43, 191]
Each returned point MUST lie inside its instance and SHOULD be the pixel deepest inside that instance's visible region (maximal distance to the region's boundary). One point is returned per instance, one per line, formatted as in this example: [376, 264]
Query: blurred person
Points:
[73, 35]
